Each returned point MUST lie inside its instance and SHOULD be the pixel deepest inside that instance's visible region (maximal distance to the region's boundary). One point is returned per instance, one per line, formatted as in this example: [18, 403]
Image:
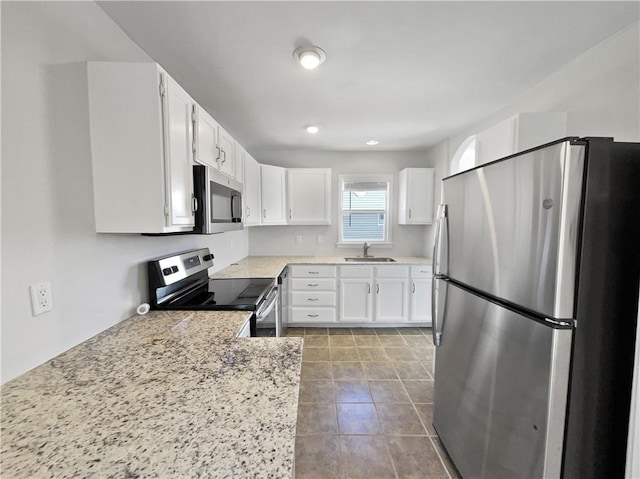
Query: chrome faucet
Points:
[366, 250]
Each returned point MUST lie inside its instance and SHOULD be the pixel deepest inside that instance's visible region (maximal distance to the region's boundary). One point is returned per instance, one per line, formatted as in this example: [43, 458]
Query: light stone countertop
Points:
[271, 266]
[169, 394]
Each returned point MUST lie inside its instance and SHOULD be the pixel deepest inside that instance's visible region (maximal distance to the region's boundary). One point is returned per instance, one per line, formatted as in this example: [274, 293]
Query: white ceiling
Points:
[405, 73]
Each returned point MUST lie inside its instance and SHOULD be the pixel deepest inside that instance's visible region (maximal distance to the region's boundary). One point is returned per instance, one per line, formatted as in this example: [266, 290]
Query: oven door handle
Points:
[270, 303]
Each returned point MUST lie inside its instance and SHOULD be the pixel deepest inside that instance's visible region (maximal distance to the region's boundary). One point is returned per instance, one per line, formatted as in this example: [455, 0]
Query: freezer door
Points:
[500, 390]
[513, 228]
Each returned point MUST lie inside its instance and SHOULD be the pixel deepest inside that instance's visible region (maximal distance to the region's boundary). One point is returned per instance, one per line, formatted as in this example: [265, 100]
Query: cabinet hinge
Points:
[193, 114]
[162, 88]
[166, 210]
[193, 147]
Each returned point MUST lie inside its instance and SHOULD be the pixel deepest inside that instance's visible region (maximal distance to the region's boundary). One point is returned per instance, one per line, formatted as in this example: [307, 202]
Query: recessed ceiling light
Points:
[372, 142]
[309, 56]
[312, 129]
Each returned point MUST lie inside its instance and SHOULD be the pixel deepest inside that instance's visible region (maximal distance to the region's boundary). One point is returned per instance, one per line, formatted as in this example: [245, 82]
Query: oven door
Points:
[268, 318]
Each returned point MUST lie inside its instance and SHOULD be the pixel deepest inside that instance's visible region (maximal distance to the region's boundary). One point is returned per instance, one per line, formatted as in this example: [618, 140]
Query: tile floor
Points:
[365, 405]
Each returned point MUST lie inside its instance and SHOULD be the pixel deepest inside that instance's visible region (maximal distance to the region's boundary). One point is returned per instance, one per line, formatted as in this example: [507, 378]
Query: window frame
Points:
[366, 178]
[454, 164]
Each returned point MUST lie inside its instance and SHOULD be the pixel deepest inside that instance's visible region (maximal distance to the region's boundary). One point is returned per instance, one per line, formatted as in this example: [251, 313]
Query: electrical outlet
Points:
[41, 298]
[299, 239]
[320, 239]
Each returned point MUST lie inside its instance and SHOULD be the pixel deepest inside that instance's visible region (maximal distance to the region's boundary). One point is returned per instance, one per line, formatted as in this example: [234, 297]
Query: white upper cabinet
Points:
[206, 149]
[251, 191]
[519, 133]
[415, 205]
[226, 143]
[141, 129]
[309, 196]
[272, 182]
[238, 162]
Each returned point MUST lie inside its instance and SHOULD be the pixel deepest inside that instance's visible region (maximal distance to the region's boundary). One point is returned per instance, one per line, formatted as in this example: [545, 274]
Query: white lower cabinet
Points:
[355, 294]
[420, 307]
[392, 284]
[313, 294]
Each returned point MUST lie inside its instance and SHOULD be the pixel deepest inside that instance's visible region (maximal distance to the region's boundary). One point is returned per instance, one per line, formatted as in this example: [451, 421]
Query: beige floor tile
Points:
[399, 419]
[370, 341]
[339, 331]
[295, 332]
[316, 342]
[420, 391]
[400, 354]
[316, 419]
[317, 457]
[425, 411]
[357, 419]
[347, 370]
[373, 354]
[315, 354]
[393, 341]
[320, 370]
[363, 331]
[388, 392]
[352, 391]
[315, 331]
[445, 458]
[410, 331]
[365, 457]
[415, 458]
[319, 391]
[429, 366]
[341, 341]
[418, 341]
[411, 370]
[423, 353]
[386, 331]
[379, 370]
[344, 354]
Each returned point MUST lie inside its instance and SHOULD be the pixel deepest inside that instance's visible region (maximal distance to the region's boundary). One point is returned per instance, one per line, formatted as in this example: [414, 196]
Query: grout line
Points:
[433, 443]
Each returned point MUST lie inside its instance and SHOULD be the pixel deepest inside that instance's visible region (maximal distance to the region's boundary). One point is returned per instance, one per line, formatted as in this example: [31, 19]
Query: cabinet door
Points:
[355, 300]
[421, 301]
[251, 191]
[180, 154]
[227, 152]
[416, 196]
[272, 182]
[238, 162]
[309, 196]
[206, 139]
[391, 300]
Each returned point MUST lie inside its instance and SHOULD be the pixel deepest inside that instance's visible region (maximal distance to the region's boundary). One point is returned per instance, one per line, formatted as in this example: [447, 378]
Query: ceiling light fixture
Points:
[309, 56]
[372, 142]
[312, 129]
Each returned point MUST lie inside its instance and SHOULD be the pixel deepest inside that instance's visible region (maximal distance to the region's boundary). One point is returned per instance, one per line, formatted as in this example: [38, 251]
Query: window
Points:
[364, 208]
[465, 157]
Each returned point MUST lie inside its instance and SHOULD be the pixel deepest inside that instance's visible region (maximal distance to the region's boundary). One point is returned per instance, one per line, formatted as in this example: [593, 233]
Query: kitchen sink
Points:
[372, 259]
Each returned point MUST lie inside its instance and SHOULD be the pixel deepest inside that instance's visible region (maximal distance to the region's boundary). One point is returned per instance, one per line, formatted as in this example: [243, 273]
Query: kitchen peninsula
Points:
[167, 394]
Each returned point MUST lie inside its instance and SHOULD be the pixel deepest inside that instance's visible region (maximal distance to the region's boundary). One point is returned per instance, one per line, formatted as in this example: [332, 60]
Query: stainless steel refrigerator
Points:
[536, 277]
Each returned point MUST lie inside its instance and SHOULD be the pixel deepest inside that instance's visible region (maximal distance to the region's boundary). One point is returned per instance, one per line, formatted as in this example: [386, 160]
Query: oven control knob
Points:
[174, 269]
[207, 257]
[167, 271]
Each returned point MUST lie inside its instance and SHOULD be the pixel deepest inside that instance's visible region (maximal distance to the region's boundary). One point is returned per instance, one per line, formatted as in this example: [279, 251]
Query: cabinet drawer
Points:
[313, 271]
[356, 271]
[313, 284]
[312, 298]
[421, 271]
[309, 315]
[392, 271]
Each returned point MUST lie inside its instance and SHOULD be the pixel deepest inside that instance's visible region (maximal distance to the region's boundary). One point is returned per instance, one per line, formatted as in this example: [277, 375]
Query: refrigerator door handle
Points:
[438, 309]
[442, 229]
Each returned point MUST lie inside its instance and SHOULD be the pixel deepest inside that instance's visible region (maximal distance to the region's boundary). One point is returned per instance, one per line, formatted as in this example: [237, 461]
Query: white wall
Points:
[280, 240]
[47, 204]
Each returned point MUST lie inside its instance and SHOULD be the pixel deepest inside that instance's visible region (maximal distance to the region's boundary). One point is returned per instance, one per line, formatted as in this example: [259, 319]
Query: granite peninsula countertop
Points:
[169, 394]
[271, 266]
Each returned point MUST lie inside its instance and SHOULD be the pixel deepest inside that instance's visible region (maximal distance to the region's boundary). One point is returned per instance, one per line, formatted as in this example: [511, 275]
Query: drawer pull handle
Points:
[314, 272]
[413, 288]
[313, 284]
[312, 299]
[312, 315]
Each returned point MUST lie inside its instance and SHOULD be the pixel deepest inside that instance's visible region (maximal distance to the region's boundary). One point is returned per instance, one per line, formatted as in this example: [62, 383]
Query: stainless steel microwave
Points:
[219, 201]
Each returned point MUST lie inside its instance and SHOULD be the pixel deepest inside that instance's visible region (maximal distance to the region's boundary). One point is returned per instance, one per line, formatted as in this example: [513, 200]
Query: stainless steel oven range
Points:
[181, 282]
